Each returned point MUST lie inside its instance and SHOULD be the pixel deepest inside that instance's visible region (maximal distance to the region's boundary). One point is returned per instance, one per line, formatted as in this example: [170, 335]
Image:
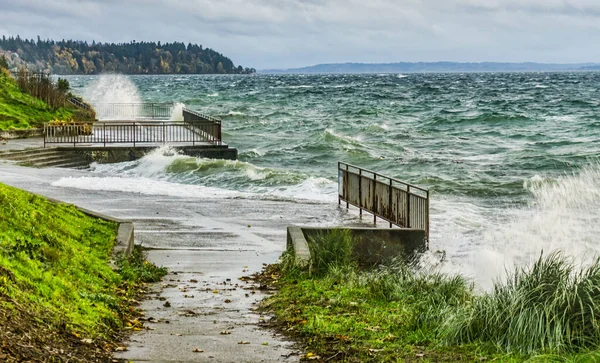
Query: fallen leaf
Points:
[227, 301]
[215, 291]
[86, 341]
[243, 342]
[198, 350]
[419, 355]
[120, 349]
[311, 356]
[265, 343]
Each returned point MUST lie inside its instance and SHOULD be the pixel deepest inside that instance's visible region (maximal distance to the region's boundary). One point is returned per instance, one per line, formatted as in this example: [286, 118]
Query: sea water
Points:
[511, 159]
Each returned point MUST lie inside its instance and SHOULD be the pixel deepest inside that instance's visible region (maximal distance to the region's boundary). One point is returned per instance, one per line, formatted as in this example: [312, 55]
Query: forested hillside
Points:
[80, 57]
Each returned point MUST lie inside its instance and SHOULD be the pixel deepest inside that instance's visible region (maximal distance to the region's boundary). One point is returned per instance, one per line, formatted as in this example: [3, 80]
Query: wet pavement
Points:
[203, 310]
[20, 144]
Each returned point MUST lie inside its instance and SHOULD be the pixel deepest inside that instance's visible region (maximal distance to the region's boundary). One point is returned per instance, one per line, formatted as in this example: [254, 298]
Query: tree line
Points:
[81, 57]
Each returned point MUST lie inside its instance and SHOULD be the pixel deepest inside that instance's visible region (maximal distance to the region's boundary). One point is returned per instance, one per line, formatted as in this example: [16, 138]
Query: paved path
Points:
[207, 246]
[20, 144]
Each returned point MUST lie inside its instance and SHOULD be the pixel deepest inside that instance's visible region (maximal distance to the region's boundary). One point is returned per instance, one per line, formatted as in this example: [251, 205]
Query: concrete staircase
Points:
[45, 158]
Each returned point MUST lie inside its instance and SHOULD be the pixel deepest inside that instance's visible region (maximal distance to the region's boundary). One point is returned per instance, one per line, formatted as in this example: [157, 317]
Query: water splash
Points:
[177, 114]
[112, 88]
[562, 216]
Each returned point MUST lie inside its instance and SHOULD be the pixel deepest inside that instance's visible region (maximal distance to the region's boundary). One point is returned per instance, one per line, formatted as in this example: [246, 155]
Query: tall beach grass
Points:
[547, 311]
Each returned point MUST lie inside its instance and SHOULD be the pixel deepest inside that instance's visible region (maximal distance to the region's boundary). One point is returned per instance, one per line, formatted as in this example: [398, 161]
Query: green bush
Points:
[3, 62]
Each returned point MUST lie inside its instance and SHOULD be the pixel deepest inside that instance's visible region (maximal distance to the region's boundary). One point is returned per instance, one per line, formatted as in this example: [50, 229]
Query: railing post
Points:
[347, 184]
[342, 180]
[360, 192]
[45, 135]
[427, 221]
[408, 206]
[133, 128]
[390, 202]
[374, 199]
[104, 133]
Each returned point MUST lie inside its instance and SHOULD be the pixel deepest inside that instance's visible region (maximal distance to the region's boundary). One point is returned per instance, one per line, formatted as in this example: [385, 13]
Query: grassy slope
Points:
[54, 271]
[21, 111]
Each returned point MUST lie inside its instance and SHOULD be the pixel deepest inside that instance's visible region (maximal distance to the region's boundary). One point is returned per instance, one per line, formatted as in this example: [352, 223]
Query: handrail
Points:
[200, 115]
[132, 132]
[78, 103]
[400, 203]
[384, 176]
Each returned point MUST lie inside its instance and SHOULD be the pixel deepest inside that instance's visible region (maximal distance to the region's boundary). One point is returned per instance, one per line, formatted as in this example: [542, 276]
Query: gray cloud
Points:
[289, 33]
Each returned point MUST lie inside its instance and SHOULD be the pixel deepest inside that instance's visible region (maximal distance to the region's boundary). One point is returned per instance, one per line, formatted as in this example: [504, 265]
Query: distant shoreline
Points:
[435, 67]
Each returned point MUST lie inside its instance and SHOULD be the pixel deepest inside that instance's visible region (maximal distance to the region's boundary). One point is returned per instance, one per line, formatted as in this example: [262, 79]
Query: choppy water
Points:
[511, 158]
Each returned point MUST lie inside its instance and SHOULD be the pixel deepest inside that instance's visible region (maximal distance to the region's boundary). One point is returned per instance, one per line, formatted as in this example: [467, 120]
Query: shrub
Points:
[3, 62]
[63, 85]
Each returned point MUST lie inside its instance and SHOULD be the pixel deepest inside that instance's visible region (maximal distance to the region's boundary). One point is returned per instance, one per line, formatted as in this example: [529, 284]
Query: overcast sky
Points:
[292, 33]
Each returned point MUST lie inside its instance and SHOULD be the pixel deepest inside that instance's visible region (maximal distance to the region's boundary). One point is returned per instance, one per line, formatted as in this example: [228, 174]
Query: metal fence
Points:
[134, 111]
[393, 200]
[191, 116]
[77, 103]
[133, 133]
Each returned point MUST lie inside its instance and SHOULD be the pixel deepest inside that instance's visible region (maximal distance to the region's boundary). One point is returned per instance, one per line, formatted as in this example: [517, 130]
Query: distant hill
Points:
[80, 57]
[435, 67]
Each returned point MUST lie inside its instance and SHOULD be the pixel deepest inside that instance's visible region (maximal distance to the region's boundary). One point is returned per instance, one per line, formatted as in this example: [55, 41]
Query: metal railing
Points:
[132, 133]
[77, 103]
[129, 111]
[191, 116]
[393, 200]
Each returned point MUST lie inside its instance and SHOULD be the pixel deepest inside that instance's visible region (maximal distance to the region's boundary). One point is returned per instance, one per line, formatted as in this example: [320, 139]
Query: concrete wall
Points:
[372, 246]
[109, 155]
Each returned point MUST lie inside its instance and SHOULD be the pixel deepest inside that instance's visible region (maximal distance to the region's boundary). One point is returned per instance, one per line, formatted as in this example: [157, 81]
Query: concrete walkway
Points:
[208, 245]
[20, 144]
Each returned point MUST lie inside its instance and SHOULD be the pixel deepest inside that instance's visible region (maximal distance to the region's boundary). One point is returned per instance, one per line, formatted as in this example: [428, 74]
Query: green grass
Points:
[54, 262]
[549, 307]
[398, 313]
[20, 111]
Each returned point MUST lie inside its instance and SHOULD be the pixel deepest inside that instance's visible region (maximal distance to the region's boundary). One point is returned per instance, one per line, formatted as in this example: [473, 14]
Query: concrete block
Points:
[372, 246]
[297, 243]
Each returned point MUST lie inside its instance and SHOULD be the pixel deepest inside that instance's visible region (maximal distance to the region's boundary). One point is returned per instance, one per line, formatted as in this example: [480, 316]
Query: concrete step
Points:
[81, 165]
[40, 158]
[60, 162]
[32, 151]
[24, 155]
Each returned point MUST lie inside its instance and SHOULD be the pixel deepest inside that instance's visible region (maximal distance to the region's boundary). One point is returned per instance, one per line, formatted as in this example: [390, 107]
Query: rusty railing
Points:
[195, 117]
[399, 203]
[132, 133]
